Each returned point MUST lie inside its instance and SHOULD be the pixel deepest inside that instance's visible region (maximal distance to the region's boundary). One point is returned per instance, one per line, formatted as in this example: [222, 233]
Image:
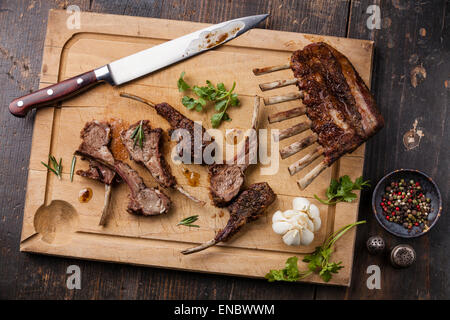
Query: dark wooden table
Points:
[411, 83]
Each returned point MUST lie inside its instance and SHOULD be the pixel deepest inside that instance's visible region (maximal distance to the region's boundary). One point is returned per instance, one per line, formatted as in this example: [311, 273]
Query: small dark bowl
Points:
[427, 185]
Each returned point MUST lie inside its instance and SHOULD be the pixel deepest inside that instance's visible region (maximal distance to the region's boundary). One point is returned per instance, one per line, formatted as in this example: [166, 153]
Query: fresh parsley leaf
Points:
[318, 261]
[182, 85]
[220, 104]
[216, 119]
[290, 273]
[219, 95]
[341, 190]
[292, 268]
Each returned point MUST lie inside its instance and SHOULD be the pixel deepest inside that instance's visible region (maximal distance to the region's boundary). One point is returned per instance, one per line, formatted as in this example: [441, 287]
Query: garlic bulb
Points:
[299, 224]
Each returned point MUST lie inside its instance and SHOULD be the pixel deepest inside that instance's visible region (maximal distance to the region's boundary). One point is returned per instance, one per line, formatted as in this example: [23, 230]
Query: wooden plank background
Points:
[413, 34]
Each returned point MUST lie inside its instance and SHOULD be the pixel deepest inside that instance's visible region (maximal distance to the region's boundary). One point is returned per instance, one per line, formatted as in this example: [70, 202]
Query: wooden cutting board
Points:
[56, 223]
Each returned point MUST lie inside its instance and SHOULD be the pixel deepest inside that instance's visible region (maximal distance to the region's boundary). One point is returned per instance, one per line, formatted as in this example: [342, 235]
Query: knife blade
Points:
[138, 64]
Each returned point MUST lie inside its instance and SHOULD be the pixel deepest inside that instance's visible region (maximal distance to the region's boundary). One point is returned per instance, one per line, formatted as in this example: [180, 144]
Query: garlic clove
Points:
[310, 225]
[306, 237]
[292, 238]
[281, 227]
[288, 214]
[278, 216]
[317, 224]
[313, 211]
[301, 204]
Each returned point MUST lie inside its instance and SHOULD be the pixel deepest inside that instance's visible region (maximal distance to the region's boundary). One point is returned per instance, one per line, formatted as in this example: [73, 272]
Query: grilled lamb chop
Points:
[96, 137]
[98, 171]
[341, 108]
[247, 207]
[179, 121]
[143, 200]
[151, 157]
[226, 180]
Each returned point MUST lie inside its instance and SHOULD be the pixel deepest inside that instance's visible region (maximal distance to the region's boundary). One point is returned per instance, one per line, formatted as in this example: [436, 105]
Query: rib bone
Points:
[261, 71]
[298, 146]
[305, 161]
[283, 98]
[106, 211]
[307, 179]
[277, 84]
[288, 114]
[292, 131]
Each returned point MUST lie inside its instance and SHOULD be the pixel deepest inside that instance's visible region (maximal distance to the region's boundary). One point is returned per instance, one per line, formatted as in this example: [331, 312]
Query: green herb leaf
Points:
[290, 273]
[188, 222]
[216, 119]
[219, 95]
[72, 167]
[182, 85]
[54, 166]
[138, 135]
[318, 261]
[341, 190]
[220, 104]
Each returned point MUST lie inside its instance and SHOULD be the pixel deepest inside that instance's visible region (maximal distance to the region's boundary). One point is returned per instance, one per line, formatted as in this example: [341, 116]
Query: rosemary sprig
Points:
[188, 222]
[138, 135]
[57, 167]
[72, 167]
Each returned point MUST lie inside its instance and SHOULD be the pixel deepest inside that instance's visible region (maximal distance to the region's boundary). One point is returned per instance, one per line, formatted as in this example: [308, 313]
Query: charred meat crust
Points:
[248, 206]
[150, 155]
[342, 109]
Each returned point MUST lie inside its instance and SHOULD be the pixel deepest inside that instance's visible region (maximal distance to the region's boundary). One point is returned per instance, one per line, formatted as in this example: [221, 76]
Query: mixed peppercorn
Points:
[405, 203]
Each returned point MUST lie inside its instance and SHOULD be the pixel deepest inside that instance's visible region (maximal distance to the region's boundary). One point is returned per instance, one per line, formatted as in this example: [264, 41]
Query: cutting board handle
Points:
[54, 93]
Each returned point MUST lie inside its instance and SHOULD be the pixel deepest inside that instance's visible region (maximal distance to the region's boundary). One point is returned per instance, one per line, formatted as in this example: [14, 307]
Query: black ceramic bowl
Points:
[430, 191]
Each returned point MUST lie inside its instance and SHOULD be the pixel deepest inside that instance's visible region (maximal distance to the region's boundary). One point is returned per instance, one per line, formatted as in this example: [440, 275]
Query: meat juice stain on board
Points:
[85, 195]
[117, 148]
[193, 178]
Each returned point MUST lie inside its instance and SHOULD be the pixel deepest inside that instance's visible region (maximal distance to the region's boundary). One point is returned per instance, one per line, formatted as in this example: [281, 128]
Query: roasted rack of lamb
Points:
[341, 111]
[247, 207]
[95, 146]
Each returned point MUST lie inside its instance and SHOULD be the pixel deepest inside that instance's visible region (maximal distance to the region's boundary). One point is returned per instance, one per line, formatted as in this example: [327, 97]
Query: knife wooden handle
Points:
[57, 92]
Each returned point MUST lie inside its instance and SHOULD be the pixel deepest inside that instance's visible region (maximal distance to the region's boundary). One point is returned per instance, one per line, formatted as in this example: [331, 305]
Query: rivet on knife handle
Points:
[49, 95]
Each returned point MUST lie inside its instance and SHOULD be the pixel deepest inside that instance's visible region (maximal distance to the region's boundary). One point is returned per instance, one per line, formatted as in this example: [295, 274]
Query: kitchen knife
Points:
[138, 64]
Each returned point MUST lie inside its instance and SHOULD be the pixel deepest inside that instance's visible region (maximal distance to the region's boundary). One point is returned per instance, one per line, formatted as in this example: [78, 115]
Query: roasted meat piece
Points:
[226, 180]
[95, 138]
[341, 108]
[143, 200]
[150, 155]
[247, 207]
[179, 121]
[98, 171]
